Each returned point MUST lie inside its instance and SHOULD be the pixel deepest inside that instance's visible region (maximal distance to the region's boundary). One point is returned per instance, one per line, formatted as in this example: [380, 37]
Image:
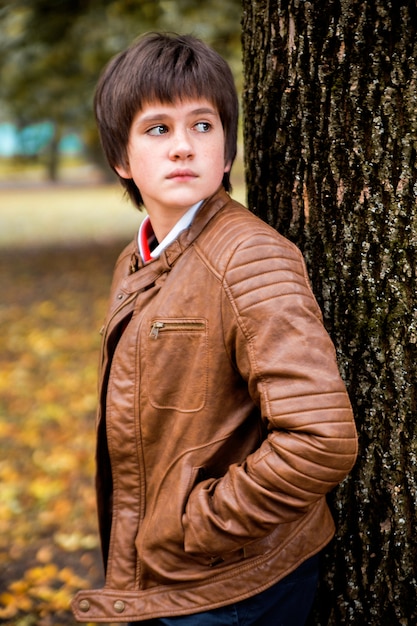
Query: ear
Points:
[227, 167]
[123, 171]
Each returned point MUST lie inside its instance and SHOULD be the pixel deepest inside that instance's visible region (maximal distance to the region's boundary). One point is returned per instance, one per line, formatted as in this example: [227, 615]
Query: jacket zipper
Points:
[157, 327]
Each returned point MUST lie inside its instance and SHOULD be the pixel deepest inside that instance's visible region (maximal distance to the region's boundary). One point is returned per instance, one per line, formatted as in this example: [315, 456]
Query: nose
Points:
[181, 145]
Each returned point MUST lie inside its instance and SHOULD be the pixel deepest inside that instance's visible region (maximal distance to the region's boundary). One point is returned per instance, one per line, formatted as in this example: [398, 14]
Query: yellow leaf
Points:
[13, 604]
[43, 592]
[44, 554]
[75, 541]
[18, 586]
[41, 574]
[43, 488]
[68, 577]
[7, 598]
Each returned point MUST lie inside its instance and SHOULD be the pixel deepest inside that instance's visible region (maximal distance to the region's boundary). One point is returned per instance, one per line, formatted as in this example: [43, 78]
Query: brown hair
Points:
[162, 67]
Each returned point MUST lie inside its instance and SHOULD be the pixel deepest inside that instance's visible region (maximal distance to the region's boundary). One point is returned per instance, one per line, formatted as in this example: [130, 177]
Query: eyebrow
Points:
[160, 117]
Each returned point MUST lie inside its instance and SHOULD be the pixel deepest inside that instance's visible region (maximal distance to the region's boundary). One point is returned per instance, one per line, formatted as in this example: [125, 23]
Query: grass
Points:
[46, 215]
[38, 216]
[34, 213]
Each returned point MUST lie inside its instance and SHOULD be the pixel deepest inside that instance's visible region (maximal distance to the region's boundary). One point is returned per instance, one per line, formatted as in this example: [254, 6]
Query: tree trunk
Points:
[330, 102]
[53, 156]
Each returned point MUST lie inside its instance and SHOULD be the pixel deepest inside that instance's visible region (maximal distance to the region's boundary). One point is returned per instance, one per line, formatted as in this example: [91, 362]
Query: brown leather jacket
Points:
[223, 418]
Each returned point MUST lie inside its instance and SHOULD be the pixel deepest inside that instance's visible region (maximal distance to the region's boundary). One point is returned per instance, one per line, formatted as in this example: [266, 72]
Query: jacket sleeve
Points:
[275, 332]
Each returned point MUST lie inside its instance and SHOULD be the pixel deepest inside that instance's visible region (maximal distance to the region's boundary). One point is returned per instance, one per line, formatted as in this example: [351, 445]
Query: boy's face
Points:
[175, 155]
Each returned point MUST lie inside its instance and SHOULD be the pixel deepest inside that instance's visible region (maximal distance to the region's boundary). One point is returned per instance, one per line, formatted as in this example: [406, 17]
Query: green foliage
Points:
[51, 53]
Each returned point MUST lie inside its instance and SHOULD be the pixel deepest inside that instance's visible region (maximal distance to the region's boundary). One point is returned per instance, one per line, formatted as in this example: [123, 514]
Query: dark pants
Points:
[287, 603]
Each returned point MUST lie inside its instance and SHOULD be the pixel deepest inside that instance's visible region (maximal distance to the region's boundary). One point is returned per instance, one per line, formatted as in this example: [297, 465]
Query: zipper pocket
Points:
[186, 325]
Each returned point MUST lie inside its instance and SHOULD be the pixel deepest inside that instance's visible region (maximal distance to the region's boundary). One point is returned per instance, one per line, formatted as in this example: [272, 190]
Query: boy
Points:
[223, 421]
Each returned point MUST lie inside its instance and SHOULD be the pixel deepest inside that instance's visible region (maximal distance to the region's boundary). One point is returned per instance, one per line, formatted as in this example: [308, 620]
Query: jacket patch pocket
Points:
[177, 364]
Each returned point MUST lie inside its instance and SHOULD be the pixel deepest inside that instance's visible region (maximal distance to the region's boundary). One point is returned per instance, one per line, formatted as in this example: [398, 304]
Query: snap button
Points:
[119, 606]
[119, 296]
[84, 606]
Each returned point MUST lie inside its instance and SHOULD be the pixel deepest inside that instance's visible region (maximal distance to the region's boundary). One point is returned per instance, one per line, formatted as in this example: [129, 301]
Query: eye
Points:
[203, 127]
[161, 129]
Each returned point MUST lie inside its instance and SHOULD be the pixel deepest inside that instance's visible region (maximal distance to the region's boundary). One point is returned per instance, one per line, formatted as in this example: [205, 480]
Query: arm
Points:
[288, 360]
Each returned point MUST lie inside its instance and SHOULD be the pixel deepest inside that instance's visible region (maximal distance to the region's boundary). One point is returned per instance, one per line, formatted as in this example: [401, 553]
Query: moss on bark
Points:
[330, 103]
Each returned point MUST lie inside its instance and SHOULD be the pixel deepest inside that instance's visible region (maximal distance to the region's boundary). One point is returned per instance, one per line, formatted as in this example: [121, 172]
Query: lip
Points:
[180, 174]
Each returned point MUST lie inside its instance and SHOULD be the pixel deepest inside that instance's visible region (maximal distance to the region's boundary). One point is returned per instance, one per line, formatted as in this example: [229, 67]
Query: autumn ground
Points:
[57, 249]
[52, 301]
[51, 304]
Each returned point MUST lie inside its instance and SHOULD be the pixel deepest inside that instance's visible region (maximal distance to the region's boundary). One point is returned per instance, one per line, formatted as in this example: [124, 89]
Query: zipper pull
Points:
[156, 326]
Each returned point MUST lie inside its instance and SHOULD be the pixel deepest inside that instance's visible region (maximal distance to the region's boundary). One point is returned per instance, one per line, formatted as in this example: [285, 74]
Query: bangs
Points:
[175, 73]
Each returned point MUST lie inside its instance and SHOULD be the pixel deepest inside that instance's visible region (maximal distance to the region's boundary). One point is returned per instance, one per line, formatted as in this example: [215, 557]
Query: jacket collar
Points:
[148, 274]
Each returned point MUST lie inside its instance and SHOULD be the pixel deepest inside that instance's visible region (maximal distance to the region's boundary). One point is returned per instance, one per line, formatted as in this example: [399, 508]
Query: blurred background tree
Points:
[51, 54]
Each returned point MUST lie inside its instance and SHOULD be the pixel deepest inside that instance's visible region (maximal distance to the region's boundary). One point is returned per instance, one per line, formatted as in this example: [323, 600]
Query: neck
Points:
[164, 221]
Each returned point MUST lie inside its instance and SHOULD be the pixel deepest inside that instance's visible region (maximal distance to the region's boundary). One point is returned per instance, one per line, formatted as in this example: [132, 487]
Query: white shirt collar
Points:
[183, 223]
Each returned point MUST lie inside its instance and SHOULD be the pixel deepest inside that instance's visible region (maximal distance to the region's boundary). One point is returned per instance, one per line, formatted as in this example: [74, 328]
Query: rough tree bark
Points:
[330, 104]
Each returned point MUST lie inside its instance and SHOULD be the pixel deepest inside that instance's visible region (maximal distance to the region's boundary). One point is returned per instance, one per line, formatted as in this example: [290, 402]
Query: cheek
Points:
[217, 154]
[139, 166]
